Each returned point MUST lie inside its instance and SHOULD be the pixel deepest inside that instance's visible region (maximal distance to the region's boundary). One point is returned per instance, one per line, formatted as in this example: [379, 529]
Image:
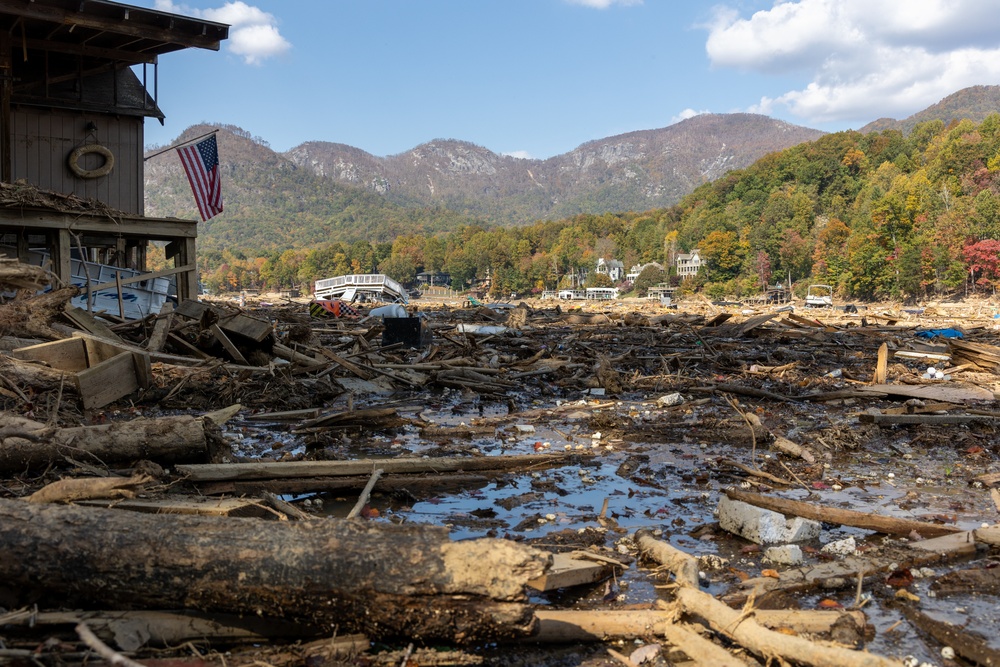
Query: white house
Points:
[688, 264]
[612, 268]
[638, 268]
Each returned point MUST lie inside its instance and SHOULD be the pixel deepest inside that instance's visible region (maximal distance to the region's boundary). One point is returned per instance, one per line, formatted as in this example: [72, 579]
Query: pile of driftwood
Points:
[121, 537]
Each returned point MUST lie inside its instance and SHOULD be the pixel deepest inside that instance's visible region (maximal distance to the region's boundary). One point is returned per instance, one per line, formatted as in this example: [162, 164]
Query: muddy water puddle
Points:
[631, 466]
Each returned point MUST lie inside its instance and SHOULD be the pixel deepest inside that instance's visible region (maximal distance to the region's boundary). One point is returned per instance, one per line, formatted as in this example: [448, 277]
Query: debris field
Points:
[612, 484]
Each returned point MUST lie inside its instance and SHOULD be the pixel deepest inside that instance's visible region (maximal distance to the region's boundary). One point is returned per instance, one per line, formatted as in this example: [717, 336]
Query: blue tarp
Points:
[944, 333]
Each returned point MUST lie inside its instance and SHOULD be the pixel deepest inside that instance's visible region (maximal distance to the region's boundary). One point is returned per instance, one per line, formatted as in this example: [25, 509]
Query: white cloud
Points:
[684, 115]
[520, 155]
[604, 4]
[253, 34]
[863, 58]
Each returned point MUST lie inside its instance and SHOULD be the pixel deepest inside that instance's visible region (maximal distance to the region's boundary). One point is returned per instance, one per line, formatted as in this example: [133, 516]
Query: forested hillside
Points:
[272, 204]
[330, 192]
[636, 171]
[878, 215]
[973, 103]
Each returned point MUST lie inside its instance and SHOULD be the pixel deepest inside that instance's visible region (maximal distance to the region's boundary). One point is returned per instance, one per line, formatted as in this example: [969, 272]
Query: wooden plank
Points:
[236, 471]
[184, 345]
[894, 420]
[99, 351]
[949, 392]
[228, 344]
[143, 367]
[754, 322]
[66, 355]
[91, 324]
[162, 327]
[191, 308]
[232, 323]
[567, 571]
[107, 381]
[251, 327]
[881, 364]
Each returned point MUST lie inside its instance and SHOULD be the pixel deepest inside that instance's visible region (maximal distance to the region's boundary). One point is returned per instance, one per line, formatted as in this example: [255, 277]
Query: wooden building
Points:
[77, 82]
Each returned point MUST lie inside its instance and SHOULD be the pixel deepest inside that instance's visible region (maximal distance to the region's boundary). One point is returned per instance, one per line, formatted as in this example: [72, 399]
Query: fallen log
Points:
[28, 445]
[387, 581]
[67, 490]
[575, 626]
[768, 643]
[747, 632]
[881, 524]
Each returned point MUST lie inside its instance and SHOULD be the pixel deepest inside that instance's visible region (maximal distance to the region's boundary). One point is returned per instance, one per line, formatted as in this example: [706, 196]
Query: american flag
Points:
[201, 164]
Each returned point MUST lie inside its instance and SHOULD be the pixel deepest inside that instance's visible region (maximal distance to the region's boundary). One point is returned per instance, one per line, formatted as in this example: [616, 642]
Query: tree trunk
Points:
[27, 444]
[384, 580]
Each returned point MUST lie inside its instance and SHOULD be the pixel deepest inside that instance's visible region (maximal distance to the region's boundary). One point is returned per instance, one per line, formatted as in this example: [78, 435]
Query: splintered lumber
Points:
[881, 365]
[381, 579]
[979, 355]
[210, 472]
[878, 523]
[31, 445]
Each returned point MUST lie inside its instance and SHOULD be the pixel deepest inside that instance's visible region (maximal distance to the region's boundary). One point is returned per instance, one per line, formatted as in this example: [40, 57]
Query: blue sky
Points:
[537, 78]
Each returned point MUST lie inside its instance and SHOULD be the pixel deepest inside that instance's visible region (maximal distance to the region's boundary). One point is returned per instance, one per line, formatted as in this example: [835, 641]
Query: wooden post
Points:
[187, 282]
[6, 127]
[61, 261]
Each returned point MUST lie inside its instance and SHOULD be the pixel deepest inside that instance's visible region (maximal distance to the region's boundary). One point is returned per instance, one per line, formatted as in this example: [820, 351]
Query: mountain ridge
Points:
[636, 170]
[323, 191]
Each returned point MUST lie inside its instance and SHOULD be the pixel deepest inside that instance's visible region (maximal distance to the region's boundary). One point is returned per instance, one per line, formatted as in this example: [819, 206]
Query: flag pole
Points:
[186, 143]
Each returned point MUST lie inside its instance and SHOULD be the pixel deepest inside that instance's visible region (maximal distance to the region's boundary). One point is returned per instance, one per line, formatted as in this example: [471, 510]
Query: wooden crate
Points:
[102, 371]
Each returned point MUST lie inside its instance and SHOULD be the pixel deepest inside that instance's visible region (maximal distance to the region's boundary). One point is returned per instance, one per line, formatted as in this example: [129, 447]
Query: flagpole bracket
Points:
[74, 161]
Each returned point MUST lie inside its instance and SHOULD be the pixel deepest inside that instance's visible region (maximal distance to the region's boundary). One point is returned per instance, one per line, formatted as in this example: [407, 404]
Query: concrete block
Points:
[845, 547]
[788, 554]
[764, 526]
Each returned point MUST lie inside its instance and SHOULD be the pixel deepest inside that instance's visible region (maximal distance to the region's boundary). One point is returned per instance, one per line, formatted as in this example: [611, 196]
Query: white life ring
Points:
[103, 170]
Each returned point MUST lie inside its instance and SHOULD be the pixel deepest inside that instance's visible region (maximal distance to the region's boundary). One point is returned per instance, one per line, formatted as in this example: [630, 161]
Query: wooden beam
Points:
[38, 220]
[201, 34]
[292, 469]
[142, 276]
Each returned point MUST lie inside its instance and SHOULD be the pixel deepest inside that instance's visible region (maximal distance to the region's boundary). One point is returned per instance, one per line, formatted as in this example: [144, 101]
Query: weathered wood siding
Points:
[44, 138]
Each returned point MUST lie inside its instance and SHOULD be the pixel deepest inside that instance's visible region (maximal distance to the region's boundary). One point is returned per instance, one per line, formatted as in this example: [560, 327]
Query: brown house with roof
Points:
[77, 81]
